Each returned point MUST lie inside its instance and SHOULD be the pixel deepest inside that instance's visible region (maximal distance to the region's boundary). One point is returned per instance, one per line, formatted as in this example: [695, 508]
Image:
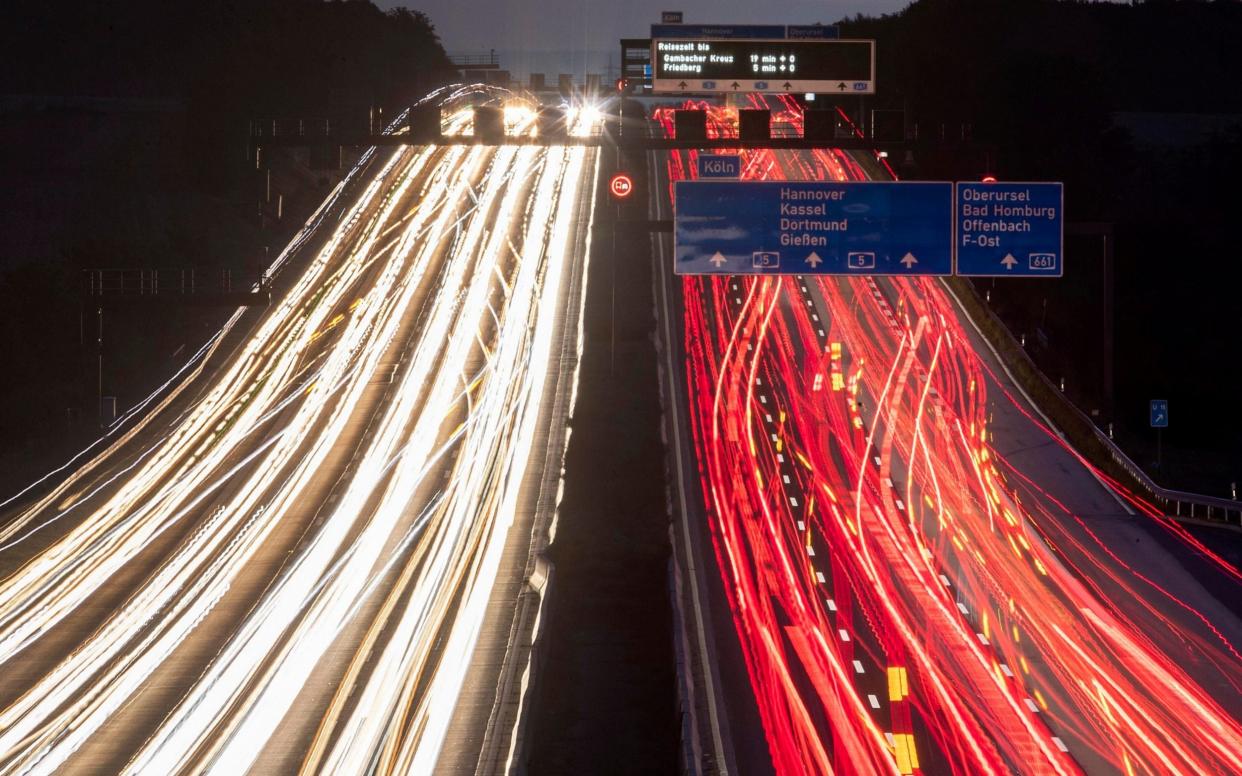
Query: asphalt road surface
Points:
[285, 561]
[904, 568]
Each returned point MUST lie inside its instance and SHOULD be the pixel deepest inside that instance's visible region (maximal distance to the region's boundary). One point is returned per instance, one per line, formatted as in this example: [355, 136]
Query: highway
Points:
[897, 565]
[283, 561]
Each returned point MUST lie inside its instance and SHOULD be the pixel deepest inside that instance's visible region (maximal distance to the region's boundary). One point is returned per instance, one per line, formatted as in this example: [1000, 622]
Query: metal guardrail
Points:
[604, 138]
[184, 281]
[315, 126]
[1175, 503]
[14, 103]
[489, 59]
[1181, 503]
[193, 287]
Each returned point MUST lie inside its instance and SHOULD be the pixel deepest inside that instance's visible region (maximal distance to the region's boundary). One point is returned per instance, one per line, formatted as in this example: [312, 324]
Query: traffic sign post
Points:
[1159, 412]
[813, 228]
[1010, 230]
[720, 166]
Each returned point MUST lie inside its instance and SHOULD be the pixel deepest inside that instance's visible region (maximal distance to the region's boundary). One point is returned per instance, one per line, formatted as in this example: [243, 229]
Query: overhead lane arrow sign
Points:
[848, 228]
[682, 84]
[841, 87]
[1010, 229]
[788, 86]
[736, 86]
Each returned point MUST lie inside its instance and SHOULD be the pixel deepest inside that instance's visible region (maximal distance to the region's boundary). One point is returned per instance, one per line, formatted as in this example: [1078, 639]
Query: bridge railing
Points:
[305, 126]
[1178, 503]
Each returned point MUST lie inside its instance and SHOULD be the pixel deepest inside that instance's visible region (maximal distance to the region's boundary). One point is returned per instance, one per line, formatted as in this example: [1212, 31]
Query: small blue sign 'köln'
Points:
[727, 166]
[813, 228]
[1010, 230]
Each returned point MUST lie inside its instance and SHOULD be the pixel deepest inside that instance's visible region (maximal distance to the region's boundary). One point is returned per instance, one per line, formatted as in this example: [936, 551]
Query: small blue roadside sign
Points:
[1159, 413]
[813, 228]
[724, 166]
[1010, 230]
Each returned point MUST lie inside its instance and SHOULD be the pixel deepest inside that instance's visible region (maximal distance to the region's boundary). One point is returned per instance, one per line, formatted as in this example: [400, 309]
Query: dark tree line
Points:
[1042, 79]
[229, 60]
[144, 164]
[1062, 90]
[1172, 55]
[256, 53]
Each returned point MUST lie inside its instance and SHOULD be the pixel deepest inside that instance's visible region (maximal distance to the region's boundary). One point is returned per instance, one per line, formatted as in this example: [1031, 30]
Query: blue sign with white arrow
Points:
[720, 166]
[813, 228]
[1010, 230]
[1159, 413]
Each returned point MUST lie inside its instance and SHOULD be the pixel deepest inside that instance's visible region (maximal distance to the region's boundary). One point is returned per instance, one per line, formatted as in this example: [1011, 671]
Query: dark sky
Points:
[580, 35]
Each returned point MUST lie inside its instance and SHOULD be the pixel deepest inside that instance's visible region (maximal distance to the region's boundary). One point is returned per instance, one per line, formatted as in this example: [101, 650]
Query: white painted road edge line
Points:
[712, 712]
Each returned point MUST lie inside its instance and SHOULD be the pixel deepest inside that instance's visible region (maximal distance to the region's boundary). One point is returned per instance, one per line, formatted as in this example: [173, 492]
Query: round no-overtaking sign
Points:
[621, 186]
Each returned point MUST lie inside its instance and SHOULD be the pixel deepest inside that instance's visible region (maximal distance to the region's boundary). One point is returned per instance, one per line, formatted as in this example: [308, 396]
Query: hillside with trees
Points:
[1136, 107]
[125, 127]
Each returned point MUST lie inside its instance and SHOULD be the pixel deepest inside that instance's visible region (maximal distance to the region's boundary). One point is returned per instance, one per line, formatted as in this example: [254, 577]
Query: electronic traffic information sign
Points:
[688, 66]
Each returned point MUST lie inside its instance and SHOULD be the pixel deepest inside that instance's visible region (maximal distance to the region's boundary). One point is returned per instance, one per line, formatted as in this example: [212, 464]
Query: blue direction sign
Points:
[1159, 413]
[725, 166]
[743, 31]
[813, 32]
[813, 228]
[1010, 230]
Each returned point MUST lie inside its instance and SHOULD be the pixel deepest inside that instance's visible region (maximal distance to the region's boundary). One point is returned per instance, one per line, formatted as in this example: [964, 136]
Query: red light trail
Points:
[907, 599]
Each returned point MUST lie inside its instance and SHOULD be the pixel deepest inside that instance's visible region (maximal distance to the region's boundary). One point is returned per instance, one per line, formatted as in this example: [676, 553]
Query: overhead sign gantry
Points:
[867, 228]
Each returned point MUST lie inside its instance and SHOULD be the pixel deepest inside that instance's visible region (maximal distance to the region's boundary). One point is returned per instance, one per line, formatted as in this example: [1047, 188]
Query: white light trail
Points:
[450, 263]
